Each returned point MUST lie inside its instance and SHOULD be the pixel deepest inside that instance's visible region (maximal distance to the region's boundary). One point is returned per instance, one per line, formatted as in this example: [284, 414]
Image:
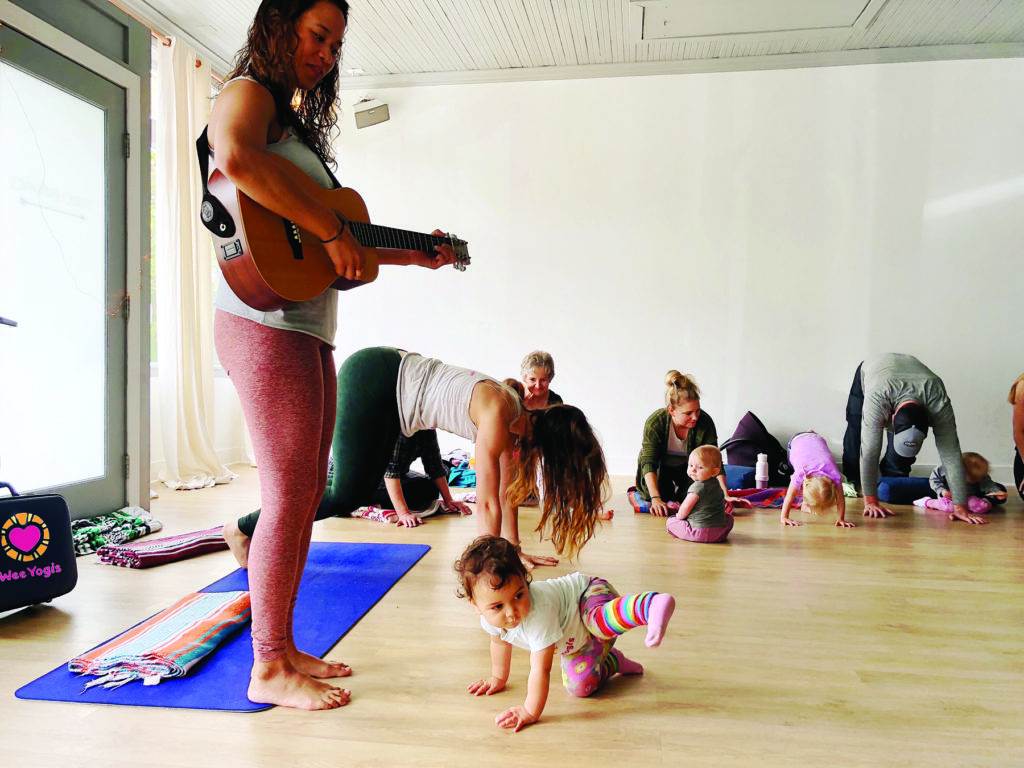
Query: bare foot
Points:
[237, 542]
[627, 666]
[307, 664]
[278, 682]
[658, 614]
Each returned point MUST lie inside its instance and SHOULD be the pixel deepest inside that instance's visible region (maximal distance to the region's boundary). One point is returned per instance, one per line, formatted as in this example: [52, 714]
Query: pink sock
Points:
[942, 505]
[627, 666]
[662, 606]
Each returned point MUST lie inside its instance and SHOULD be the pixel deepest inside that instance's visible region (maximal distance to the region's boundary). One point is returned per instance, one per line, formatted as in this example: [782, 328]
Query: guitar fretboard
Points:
[377, 236]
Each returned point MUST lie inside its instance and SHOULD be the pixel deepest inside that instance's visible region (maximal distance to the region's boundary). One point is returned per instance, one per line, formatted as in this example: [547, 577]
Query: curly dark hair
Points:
[491, 555]
[575, 475]
[267, 57]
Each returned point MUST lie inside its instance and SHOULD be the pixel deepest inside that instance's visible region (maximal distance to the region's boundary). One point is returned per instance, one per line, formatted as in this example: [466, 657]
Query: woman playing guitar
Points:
[277, 111]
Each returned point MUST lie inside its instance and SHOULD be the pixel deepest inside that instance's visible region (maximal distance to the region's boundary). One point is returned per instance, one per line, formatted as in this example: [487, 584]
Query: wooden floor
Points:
[895, 643]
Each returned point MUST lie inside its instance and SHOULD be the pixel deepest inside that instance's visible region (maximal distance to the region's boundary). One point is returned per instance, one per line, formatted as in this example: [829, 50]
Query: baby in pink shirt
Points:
[816, 477]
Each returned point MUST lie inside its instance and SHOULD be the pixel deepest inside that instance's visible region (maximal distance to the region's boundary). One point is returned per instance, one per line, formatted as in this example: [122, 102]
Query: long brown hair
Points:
[267, 57]
[574, 473]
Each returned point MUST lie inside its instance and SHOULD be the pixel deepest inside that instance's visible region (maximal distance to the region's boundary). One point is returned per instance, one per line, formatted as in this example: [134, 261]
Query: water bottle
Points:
[761, 471]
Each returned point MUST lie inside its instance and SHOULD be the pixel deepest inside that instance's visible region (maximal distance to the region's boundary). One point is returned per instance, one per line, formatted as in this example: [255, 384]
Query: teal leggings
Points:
[365, 431]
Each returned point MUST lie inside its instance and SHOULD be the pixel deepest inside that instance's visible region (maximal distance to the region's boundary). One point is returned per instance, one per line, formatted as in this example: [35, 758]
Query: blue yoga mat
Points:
[341, 583]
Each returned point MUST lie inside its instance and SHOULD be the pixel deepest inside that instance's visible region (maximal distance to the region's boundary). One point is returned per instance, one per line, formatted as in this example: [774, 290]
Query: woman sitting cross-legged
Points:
[670, 436]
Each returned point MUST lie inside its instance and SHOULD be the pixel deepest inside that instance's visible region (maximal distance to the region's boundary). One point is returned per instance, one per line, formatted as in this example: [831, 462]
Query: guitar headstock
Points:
[461, 248]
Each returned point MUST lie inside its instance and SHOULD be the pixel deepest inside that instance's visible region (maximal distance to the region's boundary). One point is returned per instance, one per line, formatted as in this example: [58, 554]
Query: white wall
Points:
[763, 230]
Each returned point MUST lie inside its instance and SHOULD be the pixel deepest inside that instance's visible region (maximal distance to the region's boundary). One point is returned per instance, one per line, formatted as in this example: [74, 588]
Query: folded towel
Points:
[146, 554]
[168, 644]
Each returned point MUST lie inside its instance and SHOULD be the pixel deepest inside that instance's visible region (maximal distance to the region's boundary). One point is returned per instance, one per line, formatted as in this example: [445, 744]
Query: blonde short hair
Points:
[1016, 390]
[680, 387]
[819, 493]
[708, 455]
[975, 467]
[538, 359]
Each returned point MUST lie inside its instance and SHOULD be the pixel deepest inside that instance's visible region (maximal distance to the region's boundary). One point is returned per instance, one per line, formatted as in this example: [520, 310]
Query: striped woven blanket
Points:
[112, 528]
[146, 554]
[381, 515]
[167, 645]
[768, 498]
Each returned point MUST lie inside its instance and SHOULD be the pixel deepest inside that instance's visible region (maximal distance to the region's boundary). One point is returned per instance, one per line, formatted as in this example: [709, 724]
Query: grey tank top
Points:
[317, 317]
[435, 395]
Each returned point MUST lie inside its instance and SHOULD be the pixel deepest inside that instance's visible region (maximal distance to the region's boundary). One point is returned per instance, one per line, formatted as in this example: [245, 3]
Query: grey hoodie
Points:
[891, 379]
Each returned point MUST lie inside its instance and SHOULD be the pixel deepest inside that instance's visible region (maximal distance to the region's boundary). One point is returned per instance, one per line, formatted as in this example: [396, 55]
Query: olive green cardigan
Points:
[655, 445]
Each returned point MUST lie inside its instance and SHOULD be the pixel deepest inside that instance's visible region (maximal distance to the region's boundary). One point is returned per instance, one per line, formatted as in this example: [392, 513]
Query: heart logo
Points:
[25, 538]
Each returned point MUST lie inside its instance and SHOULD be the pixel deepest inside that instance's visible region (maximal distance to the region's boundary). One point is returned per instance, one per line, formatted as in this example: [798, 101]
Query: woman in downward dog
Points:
[384, 392]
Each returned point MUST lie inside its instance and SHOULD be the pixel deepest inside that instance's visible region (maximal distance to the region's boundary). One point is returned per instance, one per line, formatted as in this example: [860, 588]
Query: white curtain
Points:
[184, 286]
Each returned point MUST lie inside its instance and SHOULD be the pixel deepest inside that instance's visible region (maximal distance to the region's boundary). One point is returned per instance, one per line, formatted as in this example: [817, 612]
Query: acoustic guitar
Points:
[269, 261]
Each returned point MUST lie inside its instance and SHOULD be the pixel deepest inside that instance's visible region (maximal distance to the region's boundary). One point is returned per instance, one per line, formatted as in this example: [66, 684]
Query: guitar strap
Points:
[212, 212]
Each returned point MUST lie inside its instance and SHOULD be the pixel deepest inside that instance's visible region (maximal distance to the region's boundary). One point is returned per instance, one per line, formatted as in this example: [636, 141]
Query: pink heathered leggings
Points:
[286, 383]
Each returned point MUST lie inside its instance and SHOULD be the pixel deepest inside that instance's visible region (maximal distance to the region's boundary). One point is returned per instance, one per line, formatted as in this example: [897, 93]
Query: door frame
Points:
[137, 369]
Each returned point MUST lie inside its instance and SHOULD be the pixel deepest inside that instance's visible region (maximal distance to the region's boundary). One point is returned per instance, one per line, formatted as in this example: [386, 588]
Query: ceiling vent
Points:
[700, 20]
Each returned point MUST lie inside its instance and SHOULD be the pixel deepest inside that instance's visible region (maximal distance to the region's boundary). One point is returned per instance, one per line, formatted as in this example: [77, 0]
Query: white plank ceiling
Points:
[409, 41]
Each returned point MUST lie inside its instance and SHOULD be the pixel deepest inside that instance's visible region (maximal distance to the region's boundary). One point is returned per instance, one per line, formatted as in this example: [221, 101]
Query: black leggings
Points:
[418, 489]
[365, 431]
[673, 483]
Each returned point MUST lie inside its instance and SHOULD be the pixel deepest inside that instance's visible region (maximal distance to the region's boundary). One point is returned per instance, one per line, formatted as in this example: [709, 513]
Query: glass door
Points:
[62, 278]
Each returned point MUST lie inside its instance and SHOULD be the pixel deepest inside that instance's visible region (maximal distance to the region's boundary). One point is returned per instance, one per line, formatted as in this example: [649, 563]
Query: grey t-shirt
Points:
[889, 380]
[709, 512]
[317, 317]
[434, 395]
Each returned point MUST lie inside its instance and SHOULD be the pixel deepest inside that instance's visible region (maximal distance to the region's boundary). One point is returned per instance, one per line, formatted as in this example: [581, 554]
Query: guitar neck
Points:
[376, 236]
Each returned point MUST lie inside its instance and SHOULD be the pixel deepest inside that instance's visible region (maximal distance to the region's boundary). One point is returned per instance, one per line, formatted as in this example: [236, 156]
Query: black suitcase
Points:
[37, 554]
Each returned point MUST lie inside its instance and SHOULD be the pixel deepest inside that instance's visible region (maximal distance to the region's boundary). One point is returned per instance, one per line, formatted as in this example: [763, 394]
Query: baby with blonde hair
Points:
[816, 477]
[705, 515]
[982, 491]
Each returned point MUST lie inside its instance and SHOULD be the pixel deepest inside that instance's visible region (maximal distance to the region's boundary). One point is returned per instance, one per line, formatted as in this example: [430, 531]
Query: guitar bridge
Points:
[294, 238]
